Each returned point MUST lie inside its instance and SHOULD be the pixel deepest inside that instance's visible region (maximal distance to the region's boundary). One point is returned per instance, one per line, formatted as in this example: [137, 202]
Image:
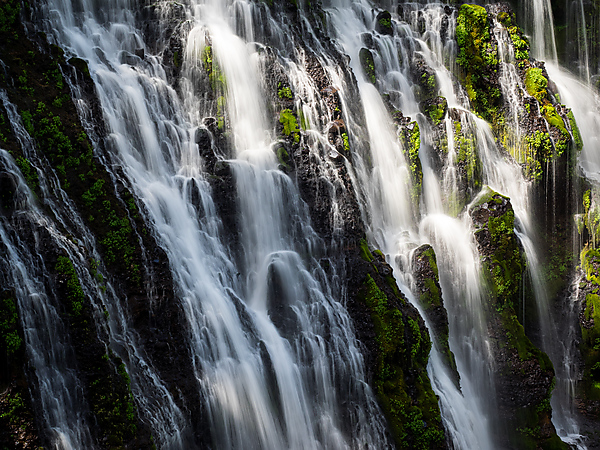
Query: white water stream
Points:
[276, 361]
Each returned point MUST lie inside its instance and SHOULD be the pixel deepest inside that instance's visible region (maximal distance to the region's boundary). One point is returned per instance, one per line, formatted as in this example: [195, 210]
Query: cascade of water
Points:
[540, 25]
[48, 352]
[263, 386]
[396, 231]
[164, 415]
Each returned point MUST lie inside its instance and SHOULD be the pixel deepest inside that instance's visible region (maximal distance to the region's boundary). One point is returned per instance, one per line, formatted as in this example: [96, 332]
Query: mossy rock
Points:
[368, 64]
[384, 23]
[478, 60]
[493, 218]
[589, 321]
[398, 347]
[429, 294]
[435, 109]
[410, 137]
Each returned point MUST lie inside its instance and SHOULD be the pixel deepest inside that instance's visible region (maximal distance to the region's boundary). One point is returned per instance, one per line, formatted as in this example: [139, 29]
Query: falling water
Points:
[275, 358]
[263, 385]
[395, 230]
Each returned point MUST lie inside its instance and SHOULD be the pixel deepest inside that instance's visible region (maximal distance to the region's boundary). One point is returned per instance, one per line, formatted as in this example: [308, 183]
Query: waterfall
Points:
[197, 100]
[263, 386]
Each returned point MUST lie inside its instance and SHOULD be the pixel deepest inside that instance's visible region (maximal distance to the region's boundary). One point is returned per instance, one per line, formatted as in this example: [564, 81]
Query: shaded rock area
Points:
[429, 292]
[132, 260]
[397, 346]
[589, 323]
[524, 374]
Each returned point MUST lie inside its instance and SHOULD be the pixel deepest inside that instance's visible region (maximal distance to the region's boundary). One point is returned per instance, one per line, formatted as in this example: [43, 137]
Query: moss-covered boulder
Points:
[589, 322]
[429, 293]
[397, 348]
[426, 85]
[383, 24]
[435, 109]
[493, 219]
[365, 57]
[519, 365]
[409, 134]
[478, 60]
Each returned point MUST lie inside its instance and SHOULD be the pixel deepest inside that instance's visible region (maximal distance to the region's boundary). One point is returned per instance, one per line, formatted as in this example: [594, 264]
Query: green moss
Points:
[366, 61]
[575, 131]
[290, 125]
[16, 409]
[517, 339]
[285, 93]
[216, 76]
[554, 119]
[410, 137]
[112, 402]
[365, 253]
[436, 109]
[503, 264]
[346, 141]
[29, 172]
[414, 420]
[536, 83]
[9, 333]
[541, 149]
[284, 159]
[9, 12]
[478, 59]
[74, 291]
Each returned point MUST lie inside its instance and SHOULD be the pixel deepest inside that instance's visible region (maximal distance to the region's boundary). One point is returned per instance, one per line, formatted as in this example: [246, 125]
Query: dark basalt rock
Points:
[384, 23]
[397, 369]
[424, 78]
[524, 375]
[8, 188]
[429, 292]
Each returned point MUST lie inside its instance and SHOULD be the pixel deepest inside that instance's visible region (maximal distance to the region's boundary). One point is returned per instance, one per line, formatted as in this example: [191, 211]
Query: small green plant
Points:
[75, 293]
[290, 125]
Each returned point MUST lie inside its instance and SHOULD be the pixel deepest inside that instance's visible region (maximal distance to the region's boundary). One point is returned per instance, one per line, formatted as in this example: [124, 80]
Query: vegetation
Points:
[415, 422]
[9, 331]
[368, 64]
[290, 125]
[478, 59]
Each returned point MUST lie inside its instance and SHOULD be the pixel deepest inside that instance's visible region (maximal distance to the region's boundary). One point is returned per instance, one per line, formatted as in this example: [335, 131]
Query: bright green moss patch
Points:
[478, 59]
[436, 109]
[290, 125]
[366, 61]
[284, 93]
[575, 131]
[536, 83]
[554, 119]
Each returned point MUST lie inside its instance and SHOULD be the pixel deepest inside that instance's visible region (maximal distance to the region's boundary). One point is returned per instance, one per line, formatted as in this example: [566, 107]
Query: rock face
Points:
[519, 366]
[589, 322]
[397, 349]
[132, 261]
[429, 292]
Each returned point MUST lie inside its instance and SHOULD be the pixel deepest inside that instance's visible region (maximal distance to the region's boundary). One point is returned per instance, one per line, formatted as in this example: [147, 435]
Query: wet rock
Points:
[429, 293]
[368, 64]
[424, 78]
[8, 189]
[384, 23]
[381, 314]
[518, 365]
